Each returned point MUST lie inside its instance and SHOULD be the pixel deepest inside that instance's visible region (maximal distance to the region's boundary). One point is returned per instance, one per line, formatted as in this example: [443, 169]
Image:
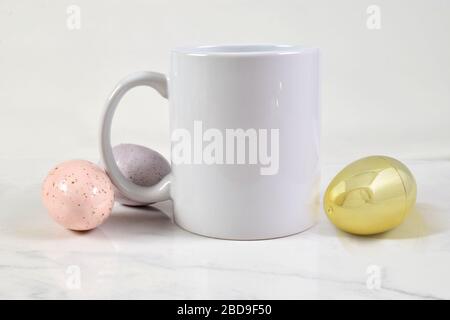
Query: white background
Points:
[383, 91]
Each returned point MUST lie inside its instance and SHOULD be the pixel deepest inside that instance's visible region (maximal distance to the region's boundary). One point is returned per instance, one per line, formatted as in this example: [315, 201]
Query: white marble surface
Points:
[139, 253]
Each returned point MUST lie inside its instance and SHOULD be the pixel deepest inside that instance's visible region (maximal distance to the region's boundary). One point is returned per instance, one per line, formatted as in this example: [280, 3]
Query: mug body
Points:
[245, 140]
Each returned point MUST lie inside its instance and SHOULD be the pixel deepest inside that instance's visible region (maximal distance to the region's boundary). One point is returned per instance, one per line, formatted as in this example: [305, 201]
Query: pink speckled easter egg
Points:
[141, 165]
[78, 195]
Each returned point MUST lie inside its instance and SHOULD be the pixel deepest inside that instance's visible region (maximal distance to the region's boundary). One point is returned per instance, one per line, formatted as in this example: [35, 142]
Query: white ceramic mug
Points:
[245, 139]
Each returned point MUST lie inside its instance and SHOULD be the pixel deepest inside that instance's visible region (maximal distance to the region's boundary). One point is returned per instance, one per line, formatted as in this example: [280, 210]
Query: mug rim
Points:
[242, 49]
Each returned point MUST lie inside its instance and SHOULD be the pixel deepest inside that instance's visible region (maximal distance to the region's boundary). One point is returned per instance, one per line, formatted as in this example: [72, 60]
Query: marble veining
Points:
[139, 253]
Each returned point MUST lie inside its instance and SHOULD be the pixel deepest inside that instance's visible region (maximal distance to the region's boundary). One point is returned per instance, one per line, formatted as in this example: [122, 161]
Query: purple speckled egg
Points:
[141, 165]
[78, 195]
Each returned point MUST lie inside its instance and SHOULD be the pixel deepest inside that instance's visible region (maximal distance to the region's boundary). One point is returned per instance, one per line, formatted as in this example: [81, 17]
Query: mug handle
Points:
[158, 192]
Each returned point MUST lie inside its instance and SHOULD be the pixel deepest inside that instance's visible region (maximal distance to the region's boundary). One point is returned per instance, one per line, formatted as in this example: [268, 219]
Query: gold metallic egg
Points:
[370, 195]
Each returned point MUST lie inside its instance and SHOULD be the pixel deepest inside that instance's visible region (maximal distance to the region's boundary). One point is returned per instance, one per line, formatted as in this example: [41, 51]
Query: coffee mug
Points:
[244, 139]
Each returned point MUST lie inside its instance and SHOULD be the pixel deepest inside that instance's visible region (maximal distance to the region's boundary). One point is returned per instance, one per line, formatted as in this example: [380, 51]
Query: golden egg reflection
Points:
[370, 195]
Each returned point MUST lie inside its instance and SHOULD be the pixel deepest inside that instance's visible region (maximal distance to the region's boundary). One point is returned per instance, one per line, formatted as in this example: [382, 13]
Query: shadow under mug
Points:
[244, 139]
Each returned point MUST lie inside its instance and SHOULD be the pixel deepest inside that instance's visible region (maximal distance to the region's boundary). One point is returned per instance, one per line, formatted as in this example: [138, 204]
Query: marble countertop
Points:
[139, 253]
